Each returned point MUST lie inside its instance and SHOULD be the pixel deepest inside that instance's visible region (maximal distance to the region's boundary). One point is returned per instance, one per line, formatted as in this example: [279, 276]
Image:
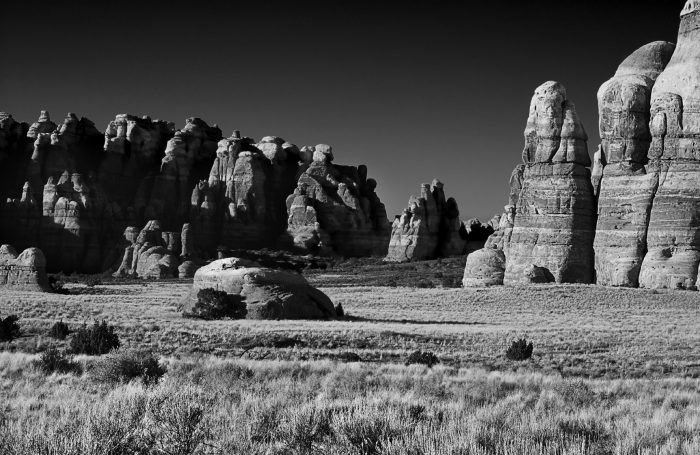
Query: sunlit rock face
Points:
[26, 271]
[624, 179]
[554, 218]
[673, 235]
[430, 227]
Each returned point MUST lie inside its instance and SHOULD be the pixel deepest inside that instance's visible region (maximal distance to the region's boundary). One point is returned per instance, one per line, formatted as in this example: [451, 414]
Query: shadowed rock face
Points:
[267, 293]
[554, 218]
[673, 236]
[624, 179]
[26, 272]
[73, 191]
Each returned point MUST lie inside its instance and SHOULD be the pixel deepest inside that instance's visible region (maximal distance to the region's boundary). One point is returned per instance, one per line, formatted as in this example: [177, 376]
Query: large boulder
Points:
[26, 272]
[485, 267]
[267, 293]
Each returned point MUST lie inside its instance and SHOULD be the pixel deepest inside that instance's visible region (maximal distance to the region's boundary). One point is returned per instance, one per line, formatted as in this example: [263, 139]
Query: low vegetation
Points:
[422, 358]
[520, 350]
[97, 339]
[125, 365]
[54, 361]
[219, 406]
[59, 331]
[214, 304]
[9, 328]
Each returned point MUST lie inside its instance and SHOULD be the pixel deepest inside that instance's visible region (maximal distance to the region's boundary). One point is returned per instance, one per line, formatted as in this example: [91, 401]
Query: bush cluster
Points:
[9, 328]
[59, 330]
[124, 365]
[422, 358]
[96, 340]
[54, 361]
[519, 350]
[214, 304]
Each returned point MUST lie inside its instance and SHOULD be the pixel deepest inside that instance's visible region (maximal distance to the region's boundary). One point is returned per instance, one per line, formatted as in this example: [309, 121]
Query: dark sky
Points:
[413, 90]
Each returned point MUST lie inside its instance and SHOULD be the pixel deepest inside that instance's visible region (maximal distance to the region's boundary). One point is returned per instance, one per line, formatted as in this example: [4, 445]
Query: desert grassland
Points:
[577, 330]
[211, 405]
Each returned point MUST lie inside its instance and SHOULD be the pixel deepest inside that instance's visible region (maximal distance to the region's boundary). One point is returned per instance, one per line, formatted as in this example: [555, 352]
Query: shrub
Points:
[56, 285]
[178, 420]
[9, 328]
[349, 357]
[519, 350]
[93, 281]
[54, 361]
[96, 340]
[339, 312]
[127, 365]
[422, 358]
[425, 284]
[59, 330]
[214, 304]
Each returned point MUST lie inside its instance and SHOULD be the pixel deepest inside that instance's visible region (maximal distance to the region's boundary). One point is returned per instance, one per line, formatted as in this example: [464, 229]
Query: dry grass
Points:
[218, 406]
[577, 330]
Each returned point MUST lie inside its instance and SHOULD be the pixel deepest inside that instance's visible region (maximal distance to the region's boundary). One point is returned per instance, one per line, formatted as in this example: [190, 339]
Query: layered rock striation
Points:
[673, 234]
[624, 178]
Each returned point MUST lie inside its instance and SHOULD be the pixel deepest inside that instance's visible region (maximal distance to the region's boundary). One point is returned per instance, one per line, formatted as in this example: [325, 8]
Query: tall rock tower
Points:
[673, 237]
[623, 178]
[552, 236]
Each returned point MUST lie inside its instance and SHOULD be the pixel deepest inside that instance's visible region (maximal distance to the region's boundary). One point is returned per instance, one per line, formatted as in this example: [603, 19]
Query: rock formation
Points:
[547, 230]
[623, 177]
[267, 293]
[431, 228]
[73, 191]
[673, 235]
[26, 272]
[335, 208]
[555, 213]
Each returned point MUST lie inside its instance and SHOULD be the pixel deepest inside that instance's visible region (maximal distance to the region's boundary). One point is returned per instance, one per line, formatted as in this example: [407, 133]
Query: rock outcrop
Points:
[267, 293]
[335, 208]
[623, 177]
[555, 213]
[546, 233]
[673, 235]
[73, 191]
[431, 228]
[26, 272]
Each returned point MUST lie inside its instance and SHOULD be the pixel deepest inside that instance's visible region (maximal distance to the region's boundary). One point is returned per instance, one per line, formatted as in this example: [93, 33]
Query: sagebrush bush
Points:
[125, 365]
[96, 340]
[422, 358]
[339, 311]
[9, 328]
[59, 330]
[178, 420]
[54, 361]
[56, 285]
[214, 304]
[519, 350]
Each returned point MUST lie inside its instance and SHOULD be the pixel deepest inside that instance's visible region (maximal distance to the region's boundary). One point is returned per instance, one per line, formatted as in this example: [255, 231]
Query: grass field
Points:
[614, 371]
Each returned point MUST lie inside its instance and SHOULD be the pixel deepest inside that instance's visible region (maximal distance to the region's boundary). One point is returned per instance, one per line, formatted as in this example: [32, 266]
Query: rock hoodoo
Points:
[548, 225]
[554, 219]
[431, 228]
[673, 235]
[73, 192]
[26, 272]
[626, 180]
[267, 293]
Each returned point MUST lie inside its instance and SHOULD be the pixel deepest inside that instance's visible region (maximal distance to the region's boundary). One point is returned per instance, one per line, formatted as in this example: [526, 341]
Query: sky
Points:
[414, 90]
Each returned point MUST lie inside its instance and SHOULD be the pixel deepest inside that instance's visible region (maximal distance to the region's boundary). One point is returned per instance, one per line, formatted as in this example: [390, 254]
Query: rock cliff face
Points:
[74, 191]
[431, 228]
[554, 220]
[26, 272]
[673, 235]
[626, 181]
